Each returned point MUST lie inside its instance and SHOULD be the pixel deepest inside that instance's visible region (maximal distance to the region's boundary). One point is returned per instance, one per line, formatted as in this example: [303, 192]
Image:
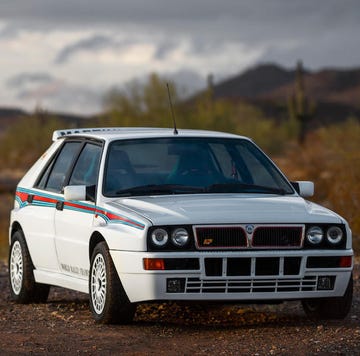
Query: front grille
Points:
[197, 285]
[277, 236]
[225, 237]
[229, 237]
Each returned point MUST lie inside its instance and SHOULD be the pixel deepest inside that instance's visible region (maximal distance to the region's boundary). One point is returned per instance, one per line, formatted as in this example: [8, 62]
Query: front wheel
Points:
[330, 308]
[23, 288]
[108, 301]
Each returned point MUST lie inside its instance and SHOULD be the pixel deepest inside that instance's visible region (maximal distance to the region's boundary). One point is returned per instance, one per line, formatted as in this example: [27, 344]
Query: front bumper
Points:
[262, 275]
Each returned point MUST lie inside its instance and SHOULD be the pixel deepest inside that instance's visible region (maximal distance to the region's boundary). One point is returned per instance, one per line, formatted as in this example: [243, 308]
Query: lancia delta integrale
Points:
[142, 214]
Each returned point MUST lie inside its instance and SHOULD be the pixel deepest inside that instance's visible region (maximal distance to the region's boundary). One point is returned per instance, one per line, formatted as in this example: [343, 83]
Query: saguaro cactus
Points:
[299, 106]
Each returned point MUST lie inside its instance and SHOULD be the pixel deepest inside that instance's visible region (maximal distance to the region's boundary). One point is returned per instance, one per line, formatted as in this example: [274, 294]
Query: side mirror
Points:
[75, 192]
[304, 188]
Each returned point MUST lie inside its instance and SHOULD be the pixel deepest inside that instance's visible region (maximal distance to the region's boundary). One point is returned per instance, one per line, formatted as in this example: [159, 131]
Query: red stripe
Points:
[45, 199]
[112, 216]
[117, 217]
[79, 206]
[23, 196]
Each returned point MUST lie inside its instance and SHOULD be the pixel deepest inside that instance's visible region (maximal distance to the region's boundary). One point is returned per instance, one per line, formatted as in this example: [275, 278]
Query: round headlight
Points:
[334, 235]
[180, 237]
[315, 235]
[159, 237]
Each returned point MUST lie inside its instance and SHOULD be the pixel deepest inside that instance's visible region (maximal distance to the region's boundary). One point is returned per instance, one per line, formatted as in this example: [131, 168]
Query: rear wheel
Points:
[108, 301]
[330, 308]
[23, 288]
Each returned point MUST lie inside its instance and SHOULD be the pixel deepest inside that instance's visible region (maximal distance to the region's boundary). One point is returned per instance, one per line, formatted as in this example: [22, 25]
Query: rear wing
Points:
[69, 132]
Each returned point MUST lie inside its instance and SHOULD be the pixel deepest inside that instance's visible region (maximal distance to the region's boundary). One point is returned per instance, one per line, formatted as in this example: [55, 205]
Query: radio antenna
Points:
[172, 110]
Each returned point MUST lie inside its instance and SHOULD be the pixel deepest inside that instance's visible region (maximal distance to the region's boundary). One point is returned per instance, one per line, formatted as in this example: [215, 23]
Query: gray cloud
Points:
[207, 23]
[116, 11]
[252, 19]
[214, 36]
[23, 79]
[164, 49]
[9, 31]
[93, 43]
[101, 42]
[55, 93]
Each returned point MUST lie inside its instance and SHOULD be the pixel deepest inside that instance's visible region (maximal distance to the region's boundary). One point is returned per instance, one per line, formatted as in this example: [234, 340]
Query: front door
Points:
[74, 219]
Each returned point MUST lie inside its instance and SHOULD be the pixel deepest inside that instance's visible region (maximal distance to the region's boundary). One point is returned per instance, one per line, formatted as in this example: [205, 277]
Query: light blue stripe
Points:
[131, 222]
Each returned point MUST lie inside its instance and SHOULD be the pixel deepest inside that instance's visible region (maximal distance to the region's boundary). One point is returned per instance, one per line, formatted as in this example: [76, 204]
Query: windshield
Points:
[190, 165]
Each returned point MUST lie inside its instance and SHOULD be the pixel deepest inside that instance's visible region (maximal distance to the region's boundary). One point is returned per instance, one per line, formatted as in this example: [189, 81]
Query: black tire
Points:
[109, 303]
[330, 308]
[23, 288]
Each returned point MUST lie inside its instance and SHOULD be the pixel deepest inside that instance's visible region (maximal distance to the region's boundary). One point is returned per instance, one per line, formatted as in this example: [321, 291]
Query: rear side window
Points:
[54, 176]
[87, 166]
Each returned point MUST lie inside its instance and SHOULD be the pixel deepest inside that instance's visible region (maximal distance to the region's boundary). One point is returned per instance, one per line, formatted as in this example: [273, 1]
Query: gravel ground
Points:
[64, 325]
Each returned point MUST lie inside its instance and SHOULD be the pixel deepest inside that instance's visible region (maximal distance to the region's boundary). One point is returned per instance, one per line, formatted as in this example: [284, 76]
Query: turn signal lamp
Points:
[154, 264]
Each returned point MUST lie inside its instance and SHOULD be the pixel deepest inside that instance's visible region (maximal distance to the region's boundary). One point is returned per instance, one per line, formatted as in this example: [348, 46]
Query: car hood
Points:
[224, 209]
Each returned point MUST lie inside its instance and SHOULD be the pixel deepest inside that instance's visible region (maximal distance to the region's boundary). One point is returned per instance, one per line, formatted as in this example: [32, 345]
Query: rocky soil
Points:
[64, 326]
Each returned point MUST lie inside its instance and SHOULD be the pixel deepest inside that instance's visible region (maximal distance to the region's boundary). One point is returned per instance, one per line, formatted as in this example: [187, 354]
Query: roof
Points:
[111, 133]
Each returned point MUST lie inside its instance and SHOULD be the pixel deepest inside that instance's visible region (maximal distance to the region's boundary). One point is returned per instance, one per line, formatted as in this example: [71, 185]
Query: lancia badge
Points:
[249, 229]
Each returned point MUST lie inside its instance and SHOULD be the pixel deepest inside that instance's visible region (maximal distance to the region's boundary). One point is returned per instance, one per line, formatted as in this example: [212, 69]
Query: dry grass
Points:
[7, 201]
[331, 158]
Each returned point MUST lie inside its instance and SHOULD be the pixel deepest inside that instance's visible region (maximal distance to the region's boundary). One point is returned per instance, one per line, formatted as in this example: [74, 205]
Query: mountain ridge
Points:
[334, 92]
[273, 82]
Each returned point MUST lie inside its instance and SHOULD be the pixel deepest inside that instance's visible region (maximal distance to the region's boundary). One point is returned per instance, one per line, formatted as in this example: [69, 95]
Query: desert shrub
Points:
[140, 104]
[331, 158]
[27, 139]
[147, 104]
[7, 201]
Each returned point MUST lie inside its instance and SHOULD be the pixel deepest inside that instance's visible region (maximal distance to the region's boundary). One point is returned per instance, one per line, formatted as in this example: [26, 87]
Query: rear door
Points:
[42, 201]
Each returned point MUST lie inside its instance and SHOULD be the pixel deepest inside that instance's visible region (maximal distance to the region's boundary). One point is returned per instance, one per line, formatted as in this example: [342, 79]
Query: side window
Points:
[61, 166]
[87, 166]
[42, 182]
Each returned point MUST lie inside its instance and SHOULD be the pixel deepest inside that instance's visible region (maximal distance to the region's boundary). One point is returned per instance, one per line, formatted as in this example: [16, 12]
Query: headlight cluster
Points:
[329, 235]
[173, 238]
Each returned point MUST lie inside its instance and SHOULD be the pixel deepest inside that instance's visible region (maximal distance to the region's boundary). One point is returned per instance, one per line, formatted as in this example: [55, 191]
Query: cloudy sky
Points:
[64, 55]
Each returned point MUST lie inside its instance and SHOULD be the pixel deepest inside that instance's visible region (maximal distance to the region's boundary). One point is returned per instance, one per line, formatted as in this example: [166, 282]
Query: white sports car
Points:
[143, 214]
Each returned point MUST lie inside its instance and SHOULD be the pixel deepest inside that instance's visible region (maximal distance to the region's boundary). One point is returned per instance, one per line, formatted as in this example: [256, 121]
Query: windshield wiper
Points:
[159, 189]
[237, 187]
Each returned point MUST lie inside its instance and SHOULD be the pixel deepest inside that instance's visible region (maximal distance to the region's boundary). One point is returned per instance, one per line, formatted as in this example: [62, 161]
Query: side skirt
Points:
[61, 280]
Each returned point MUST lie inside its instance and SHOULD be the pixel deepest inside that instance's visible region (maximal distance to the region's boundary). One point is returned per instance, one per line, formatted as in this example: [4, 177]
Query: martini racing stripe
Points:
[117, 219]
[48, 200]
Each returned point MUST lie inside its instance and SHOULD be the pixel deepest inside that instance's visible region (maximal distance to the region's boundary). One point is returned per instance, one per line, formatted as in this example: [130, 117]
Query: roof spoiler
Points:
[69, 132]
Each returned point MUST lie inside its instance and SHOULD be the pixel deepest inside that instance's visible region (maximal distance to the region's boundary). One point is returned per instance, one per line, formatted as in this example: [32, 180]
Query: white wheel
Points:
[16, 268]
[108, 300]
[98, 283]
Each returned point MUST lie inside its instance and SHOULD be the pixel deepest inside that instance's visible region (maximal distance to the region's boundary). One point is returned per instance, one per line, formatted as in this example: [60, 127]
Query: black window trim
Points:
[92, 189]
[55, 155]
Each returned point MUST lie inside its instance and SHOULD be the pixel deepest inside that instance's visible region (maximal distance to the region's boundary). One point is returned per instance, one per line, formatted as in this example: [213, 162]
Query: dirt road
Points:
[64, 326]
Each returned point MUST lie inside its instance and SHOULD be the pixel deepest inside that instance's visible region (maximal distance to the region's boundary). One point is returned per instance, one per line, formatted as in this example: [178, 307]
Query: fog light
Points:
[175, 285]
[325, 283]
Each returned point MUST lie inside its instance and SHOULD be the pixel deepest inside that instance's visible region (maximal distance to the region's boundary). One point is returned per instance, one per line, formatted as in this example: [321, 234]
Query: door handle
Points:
[60, 205]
